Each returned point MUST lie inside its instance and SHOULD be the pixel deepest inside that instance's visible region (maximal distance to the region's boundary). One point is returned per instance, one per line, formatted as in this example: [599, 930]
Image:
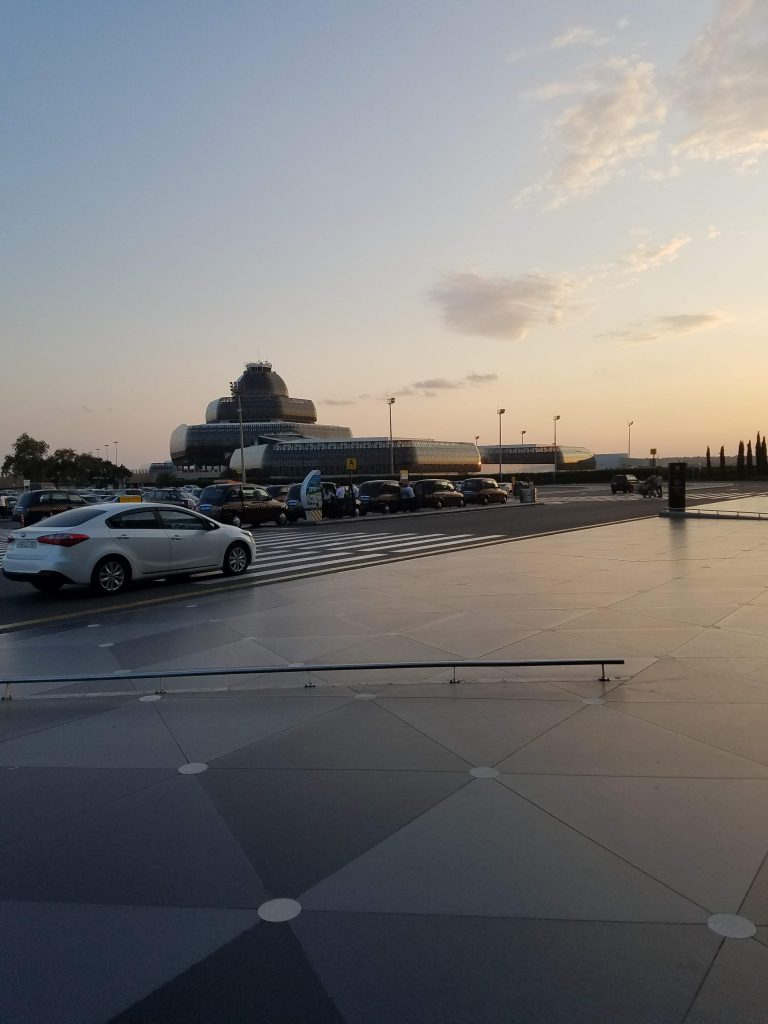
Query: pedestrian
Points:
[407, 497]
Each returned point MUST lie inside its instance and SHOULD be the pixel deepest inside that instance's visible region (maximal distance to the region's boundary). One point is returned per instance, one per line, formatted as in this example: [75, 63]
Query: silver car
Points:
[107, 546]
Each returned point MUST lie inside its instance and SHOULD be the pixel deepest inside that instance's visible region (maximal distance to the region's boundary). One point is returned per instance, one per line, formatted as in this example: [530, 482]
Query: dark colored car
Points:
[33, 506]
[482, 490]
[241, 505]
[333, 507]
[380, 496]
[279, 491]
[437, 494]
[624, 482]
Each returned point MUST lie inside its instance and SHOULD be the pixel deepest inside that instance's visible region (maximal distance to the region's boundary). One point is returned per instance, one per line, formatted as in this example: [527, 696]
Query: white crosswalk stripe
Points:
[290, 555]
[692, 497]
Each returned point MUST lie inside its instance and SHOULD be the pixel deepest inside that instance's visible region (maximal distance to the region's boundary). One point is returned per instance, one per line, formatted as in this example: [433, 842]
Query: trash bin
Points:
[527, 495]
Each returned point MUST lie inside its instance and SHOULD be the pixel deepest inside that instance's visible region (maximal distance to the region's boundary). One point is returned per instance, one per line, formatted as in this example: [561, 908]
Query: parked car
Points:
[107, 546]
[241, 504]
[380, 496]
[437, 494]
[333, 508]
[624, 482]
[279, 491]
[171, 496]
[33, 506]
[482, 490]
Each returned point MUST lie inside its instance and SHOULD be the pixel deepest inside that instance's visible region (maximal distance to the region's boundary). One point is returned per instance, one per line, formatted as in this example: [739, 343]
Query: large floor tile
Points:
[736, 988]
[162, 846]
[455, 970]
[222, 725]
[297, 827]
[726, 822]
[481, 731]
[604, 741]
[444, 863]
[67, 963]
[359, 735]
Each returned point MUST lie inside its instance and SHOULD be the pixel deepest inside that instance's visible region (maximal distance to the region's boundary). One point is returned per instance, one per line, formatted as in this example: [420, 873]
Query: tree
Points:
[709, 462]
[27, 459]
[764, 456]
[740, 460]
[166, 478]
[722, 461]
[62, 467]
[758, 453]
[749, 458]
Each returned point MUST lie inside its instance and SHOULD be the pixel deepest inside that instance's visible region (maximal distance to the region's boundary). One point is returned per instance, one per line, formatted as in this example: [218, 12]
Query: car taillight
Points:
[63, 540]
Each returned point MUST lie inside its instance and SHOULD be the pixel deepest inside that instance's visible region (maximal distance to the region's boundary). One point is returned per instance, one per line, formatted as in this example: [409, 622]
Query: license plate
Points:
[26, 543]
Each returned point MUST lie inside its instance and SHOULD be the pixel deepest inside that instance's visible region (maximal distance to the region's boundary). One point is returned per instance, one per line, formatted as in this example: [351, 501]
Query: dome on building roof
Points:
[260, 379]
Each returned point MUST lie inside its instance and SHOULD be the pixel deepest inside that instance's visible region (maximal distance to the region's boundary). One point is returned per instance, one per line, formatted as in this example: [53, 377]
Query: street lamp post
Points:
[522, 435]
[106, 449]
[555, 418]
[390, 403]
[235, 392]
[500, 413]
[629, 439]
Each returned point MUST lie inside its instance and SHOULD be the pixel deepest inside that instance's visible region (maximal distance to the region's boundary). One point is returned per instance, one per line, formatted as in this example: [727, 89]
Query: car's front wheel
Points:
[281, 519]
[484, 500]
[236, 560]
[438, 504]
[111, 576]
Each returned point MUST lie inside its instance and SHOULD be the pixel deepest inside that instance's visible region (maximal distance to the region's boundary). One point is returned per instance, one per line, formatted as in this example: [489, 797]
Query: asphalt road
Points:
[302, 550]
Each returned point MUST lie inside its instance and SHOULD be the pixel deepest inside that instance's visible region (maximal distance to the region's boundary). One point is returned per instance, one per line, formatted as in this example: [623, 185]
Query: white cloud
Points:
[663, 328]
[644, 257]
[501, 307]
[578, 35]
[723, 85]
[337, 401]
[482, 378]
[713, 232]
[617, 122]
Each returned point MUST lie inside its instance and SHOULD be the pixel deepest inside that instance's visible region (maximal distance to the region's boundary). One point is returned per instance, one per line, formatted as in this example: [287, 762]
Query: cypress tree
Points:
[740, 460]
[749, 458]
[709, 462]
[722, 461]
[758, 453]
[764, 456]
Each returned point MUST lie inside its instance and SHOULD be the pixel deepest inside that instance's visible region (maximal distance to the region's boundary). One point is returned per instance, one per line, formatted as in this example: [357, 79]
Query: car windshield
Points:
[75, 517]
[442, 485]
[213, 494]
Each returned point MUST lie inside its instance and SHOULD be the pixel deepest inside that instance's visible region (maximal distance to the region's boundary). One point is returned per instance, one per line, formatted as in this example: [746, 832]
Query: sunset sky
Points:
[555, 207]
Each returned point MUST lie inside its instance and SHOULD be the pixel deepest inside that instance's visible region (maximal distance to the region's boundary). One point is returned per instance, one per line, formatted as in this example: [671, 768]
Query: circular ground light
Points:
[279, 910]
[592, 700]
[483, 773]
[106, 645]
[365, 696]
[150, 697]
[731, 926]
[195, 768]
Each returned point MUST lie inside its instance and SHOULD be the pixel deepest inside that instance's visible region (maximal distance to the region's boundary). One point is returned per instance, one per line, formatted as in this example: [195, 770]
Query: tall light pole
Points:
[106, 449]
[115, 444]
[390, 403]
[555, 418]
[235, 392]
[500, 413]
[629, 438]
[522, 435]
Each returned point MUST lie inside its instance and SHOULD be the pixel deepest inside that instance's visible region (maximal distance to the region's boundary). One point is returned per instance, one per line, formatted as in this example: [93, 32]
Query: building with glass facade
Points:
[537, 457]
[282, 439]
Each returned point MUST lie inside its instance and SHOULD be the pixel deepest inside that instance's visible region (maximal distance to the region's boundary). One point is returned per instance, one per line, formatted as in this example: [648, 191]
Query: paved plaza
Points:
[385, 847]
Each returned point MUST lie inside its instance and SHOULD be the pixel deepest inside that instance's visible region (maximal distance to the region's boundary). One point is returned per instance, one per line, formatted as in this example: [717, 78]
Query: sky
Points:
[555, 207]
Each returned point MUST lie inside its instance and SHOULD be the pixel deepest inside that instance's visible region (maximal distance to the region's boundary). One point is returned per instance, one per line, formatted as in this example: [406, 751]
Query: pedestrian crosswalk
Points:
[285, 555]
[693, 496]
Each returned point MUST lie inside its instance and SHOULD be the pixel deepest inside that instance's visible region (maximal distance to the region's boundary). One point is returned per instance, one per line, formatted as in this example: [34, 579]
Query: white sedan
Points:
[106, 547]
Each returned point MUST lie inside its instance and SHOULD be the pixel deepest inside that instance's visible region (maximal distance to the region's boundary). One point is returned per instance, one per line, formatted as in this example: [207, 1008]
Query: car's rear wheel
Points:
[385, 509]
[484, 500]
[438, 504]
[461, 503]
[236, 521]
[281, 519]
[48, 586]
[236, 560]
[111, 576]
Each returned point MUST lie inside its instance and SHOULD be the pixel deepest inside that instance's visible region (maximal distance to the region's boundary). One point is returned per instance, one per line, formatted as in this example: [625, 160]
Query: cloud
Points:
[337, 401]
[617, 122]
[723, 85]
[713, 232]
[666, 327]
[501, 307]
[84, 408]
[644, 258]
[438, 384]
[481, 378]
[576, 35]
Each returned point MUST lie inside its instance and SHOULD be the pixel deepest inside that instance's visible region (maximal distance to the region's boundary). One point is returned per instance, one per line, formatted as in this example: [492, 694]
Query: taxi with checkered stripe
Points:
[33, 506]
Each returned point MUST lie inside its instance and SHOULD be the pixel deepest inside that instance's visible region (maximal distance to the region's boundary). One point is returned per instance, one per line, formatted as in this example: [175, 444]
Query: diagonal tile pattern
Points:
[607, 823]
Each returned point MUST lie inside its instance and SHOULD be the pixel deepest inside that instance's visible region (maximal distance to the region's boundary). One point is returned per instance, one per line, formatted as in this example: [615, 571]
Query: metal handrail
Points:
[8, 681]
[714, 513]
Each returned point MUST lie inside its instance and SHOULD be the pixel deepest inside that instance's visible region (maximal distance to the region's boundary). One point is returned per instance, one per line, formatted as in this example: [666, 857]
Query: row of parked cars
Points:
[66, 538]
